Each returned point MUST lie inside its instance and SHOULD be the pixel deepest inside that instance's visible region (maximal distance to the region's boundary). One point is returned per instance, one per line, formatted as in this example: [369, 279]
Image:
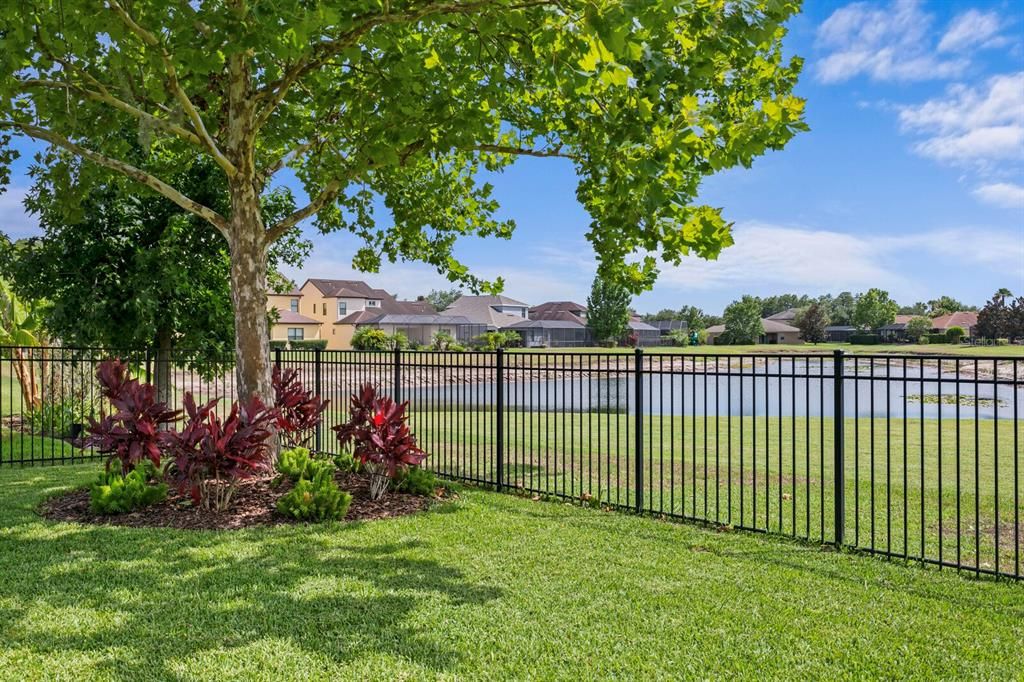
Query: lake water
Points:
[923, 393]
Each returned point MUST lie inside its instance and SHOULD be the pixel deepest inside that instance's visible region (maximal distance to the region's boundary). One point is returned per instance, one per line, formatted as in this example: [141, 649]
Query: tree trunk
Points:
[162, 372]
[249, 296]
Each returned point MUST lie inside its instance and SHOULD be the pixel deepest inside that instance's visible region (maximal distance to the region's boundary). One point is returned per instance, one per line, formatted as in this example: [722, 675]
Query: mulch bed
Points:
[254, 504]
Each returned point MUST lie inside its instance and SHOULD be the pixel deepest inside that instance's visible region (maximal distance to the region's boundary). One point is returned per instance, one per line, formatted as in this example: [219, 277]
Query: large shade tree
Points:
[124, 270]
[406, 102]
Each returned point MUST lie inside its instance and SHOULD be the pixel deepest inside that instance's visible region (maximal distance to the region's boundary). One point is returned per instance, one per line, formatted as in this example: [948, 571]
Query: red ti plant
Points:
[212, 455]
[379, 434]
[133, 432]
[299, 410]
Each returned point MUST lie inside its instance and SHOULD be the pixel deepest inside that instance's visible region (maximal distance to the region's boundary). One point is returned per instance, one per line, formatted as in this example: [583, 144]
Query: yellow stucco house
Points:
[331, 309]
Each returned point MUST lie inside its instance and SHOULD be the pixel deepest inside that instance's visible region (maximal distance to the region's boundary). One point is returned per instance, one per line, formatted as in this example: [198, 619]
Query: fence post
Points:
[638, 445]
[398, 375]
[149, 366]
[838, 446]
[318, 389]
[277, 358]
[499, 431]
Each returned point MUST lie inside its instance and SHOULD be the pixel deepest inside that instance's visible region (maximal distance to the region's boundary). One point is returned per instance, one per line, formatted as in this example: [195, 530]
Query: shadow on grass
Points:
[151, 600]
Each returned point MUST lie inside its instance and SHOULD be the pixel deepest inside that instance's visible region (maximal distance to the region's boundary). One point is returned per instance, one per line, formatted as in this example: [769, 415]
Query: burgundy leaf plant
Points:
[378, 433]
[212, 455]
[137, 429]
[299, 409]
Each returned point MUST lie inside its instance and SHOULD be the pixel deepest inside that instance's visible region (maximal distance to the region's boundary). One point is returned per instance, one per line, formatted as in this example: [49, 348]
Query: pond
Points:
[801, 391]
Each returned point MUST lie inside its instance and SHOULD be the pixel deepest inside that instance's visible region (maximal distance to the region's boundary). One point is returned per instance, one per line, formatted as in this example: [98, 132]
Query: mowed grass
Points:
[769, 474]
[489, 587]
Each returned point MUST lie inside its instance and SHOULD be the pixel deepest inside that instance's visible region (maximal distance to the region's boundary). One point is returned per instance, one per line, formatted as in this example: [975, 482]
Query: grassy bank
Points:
[492, 587]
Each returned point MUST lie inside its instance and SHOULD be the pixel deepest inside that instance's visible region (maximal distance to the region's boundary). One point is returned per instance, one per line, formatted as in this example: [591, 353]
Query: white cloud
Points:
[971, 124]
[1000, 101]
[773, 257]
[890, 43]
[972, 29]
[15, 222]
[1001, 194]
[988, 143]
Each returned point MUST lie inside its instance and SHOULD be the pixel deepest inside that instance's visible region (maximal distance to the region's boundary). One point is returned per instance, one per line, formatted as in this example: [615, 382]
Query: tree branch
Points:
[126, 169]
[275, 92]
[172, 75]
[118, 104]
[327, 195]
[519, 151]
[266, 173]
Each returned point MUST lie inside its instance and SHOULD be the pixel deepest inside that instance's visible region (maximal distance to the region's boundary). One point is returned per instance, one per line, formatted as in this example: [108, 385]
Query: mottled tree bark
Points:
[249, 297]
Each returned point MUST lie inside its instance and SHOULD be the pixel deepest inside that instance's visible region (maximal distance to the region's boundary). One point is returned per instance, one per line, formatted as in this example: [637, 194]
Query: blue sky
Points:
[912, 177]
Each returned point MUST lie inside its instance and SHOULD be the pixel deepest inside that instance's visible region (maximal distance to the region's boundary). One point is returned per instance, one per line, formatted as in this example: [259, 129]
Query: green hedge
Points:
[865, 339]
[309, 344]
[936, 338]
[278, 345]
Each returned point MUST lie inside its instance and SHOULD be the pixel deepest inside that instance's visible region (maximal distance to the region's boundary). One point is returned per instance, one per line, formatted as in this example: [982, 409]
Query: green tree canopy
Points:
[407, 101]
[608, 310]
[918, 327]
[742, 321]
[442, 299]
[874, 309]
[695, 318]
[840, 308]
[811, 321]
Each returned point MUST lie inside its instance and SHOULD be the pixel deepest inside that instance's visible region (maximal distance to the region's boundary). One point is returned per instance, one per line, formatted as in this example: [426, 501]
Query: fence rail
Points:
[912, 457]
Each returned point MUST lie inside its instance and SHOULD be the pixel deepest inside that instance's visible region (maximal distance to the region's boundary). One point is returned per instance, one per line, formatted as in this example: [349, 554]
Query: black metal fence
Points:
[912, 457]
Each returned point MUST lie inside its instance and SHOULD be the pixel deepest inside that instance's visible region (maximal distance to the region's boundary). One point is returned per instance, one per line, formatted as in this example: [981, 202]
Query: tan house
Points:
[492, 312]
[774, 332]
[331, 309]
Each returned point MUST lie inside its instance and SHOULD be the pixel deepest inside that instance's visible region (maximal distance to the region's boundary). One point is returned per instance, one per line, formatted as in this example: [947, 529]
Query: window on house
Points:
[342, 309]
[296, 333]
[325, 309]
[372, 304]
[293, 305]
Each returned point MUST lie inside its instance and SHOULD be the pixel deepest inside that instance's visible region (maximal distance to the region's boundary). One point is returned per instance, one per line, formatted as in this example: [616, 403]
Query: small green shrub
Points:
[678, 337]
[309, 344]
[57, 417]
[278, 345]
[416, 481]
[937, 338]
[923, 341]
[498, 339]
[443, 340]
[368, 338]
[113, 493]
[316, 499]
[955, 334]
[865, 339]
[346, 463]
[1002, 342]
[296, 463]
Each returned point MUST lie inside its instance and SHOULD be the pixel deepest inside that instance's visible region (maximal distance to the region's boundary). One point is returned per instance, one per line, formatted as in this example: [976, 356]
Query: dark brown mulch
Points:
[254, 504]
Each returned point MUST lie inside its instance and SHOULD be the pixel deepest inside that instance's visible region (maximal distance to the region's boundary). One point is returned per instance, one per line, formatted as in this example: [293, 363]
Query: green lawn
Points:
[490, 587]
[767, 349]
[779, 481]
